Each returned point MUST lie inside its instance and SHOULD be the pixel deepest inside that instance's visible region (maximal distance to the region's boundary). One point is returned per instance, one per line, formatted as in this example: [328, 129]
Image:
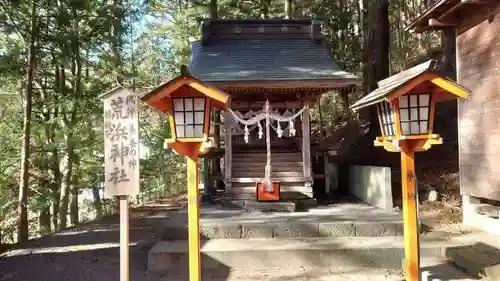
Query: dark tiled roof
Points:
[265, 60]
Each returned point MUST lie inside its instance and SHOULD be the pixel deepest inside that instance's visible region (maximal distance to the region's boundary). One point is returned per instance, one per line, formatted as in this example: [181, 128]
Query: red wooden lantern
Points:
[187, 102]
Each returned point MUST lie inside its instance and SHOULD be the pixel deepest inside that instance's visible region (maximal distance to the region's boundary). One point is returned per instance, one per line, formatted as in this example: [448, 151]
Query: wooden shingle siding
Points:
[478, 55]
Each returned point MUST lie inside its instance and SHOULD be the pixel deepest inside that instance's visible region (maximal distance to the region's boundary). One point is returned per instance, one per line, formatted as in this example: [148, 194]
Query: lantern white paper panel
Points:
[180, 132]
[199, 104]
[387, 118]
[414, 113]
[198, 118]
[189, 116]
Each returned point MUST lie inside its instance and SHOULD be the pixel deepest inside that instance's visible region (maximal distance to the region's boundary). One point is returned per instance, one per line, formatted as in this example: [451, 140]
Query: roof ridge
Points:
[254, 21]
[214, 30]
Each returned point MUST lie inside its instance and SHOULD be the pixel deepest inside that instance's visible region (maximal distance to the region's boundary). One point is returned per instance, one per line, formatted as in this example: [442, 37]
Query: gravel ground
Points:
[90, 252]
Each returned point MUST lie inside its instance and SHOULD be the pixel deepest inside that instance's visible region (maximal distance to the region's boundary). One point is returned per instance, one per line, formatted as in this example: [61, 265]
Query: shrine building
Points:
[284, 62]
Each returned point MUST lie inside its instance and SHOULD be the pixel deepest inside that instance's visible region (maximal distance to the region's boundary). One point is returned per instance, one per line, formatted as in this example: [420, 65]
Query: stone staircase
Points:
[340, 238]
[287, 167]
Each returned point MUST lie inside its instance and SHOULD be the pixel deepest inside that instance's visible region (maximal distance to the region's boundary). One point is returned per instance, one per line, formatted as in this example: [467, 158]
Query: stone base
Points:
[252, 206]
[479, 260]
[275, 206]
[270, 206]
[472, 218]
[306, 203]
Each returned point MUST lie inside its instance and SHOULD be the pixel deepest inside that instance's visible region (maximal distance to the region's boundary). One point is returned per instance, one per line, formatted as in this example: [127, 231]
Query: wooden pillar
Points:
[410, 218]
[327, 171]
[322, 140]
[228, 151]
[215, 161]
[124, 239]
[306, 145]
[206, 179]
[193, 220]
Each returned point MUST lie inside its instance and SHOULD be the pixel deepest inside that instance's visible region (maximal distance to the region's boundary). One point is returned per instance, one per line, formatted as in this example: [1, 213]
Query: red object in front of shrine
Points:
[264, 195]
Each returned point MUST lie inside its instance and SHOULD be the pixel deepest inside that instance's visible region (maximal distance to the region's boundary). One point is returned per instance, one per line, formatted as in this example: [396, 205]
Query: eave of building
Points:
[285, 85]
[441, 15]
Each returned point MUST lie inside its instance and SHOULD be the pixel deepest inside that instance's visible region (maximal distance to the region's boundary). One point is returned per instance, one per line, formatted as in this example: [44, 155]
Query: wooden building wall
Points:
[478, 63]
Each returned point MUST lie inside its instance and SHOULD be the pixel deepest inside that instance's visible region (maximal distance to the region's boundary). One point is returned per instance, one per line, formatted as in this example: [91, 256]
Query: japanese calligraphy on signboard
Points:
[121, 143]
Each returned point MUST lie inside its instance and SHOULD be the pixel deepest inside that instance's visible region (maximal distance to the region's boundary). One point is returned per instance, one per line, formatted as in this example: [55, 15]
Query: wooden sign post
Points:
[121, 159]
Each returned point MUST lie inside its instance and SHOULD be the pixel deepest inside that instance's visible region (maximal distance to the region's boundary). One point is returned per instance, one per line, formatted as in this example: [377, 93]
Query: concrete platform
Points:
[479, 255]
[337, 252]
[339, 220]
[435, 269]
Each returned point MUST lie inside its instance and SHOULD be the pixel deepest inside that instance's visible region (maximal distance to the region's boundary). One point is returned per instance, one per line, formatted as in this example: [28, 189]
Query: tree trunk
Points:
[55, 184]
[66, 171]
[376, 48]
[265, 8]
[449, 53]
[342, 30]
[22, 223]
[361, 29]
[74, 210]
[74, 215]
[288, 9]
[44, 220]
[213, 9]
[54, 180]
[116, 38]
[61, 88]
[54, 207]
[97, 201]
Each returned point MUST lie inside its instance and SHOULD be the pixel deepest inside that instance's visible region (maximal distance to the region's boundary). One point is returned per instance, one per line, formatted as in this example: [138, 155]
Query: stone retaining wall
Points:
[371, 184]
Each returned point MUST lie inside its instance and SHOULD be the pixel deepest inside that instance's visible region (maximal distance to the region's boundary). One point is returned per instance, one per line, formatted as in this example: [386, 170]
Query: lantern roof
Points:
[184, 85]
[406, 81]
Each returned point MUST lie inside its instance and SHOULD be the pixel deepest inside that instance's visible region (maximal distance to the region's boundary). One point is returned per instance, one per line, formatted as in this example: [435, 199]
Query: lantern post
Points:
[188, 103]
[406, 104]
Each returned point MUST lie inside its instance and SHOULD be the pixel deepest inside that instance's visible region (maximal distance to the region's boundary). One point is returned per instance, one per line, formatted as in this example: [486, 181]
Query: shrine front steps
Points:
[253, 165]
[340, 253]
[285, 230]
[237, 238]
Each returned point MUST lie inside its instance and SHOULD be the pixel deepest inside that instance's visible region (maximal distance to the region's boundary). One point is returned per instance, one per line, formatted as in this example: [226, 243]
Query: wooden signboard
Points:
[121, 143]
[121, 159]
